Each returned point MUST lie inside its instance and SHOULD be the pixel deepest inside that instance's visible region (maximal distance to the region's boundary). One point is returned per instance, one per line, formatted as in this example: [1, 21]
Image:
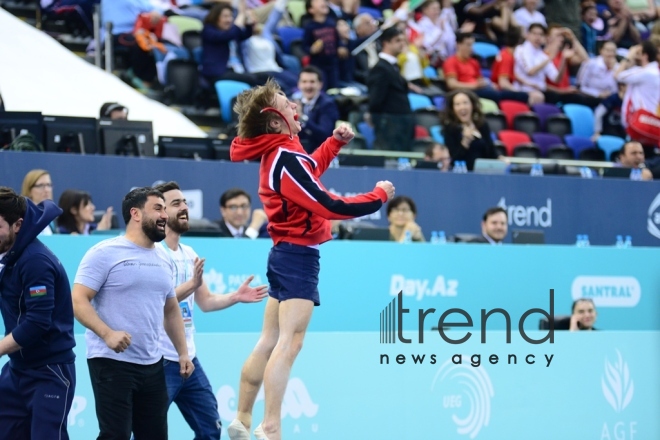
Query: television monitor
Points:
[527, 237]
[120, 137]
[358, 160]
[65, 134]
[185, 148]
[220, 148]
[14, 124]
[371, 234]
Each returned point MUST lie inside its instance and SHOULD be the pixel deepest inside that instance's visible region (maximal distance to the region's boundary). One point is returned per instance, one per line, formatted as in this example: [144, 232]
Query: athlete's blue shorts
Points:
[293, 272]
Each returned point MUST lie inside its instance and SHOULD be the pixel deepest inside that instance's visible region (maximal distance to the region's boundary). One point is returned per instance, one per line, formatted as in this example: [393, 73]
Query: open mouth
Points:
[183, 217]
[160, 224]
[295, 116]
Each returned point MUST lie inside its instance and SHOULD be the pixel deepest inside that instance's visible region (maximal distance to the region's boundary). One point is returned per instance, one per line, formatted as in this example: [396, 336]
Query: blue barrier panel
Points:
[560, 206]
[589, 385]
[358, 279]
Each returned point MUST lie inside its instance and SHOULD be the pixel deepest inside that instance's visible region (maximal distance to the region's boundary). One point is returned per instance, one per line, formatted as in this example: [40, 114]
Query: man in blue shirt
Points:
[38, 316]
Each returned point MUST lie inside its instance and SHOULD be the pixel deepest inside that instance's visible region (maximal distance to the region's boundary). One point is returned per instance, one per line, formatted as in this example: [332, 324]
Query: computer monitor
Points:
[126, 138]
[220, 148]
[185, 148]
[618, 172]
[370, 234]
[358, 160]
[65, 134]
[527, 237]
[14, 124]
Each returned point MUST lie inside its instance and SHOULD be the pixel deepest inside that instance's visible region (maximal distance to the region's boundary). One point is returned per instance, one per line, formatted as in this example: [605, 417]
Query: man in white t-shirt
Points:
[194, 396]
[532, 66]
[124, 294]
[529, 14]
[639, 71]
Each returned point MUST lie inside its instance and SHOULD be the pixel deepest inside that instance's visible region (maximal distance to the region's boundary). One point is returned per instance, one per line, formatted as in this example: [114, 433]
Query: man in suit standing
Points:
[235, 207]
[318, 111]
[388, 96]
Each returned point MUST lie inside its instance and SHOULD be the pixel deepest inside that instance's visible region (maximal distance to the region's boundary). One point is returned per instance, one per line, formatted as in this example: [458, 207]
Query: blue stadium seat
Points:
[419, 101]
[367, 131]
[288, 35]
[375, 13]
[485, 50]
[436, 134]
[578, 143]
[582, 119]
[610, 144]
[227, 90]
[430, 72]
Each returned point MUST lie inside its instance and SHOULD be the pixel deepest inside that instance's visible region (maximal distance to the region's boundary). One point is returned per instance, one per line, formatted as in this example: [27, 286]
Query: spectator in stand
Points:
[466, 133]
[494, 226]
[569, 53]
[338, 10]
[261, 53]
[596, 76]
[220, 38]
[565, 13]
[632, 156]
[390, 110]
[639, 71]
[114, 111]
[440, 154]
[462, 71]
[502, 75]
[78, 215]
[365, 26]
[317, 112]
[593, 28]
[38, 187]
[532, 65]
[502, 22]
[413, 61]
[401, 213]
[480, 13]
[607, 116]
[583, 315]
[622, 25]
[321, 41]
[529, 14]
[439, 40]
[236, 208]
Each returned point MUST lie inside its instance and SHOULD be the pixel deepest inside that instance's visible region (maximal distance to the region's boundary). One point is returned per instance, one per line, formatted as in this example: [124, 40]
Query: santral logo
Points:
[608, 291]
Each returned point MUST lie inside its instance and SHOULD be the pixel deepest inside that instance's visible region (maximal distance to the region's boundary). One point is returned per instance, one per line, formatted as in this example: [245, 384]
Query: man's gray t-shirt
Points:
[132, 285]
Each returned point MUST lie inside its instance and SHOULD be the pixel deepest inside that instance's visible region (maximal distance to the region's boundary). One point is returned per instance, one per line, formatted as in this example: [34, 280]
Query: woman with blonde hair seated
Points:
[38, 187]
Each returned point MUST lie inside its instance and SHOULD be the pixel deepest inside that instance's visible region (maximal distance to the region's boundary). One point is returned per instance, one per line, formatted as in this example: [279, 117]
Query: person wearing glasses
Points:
[401, 214]
[38, 187]
[438, 153]
[235, 208]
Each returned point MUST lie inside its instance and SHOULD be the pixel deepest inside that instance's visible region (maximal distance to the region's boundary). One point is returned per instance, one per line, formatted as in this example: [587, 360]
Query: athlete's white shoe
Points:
[237, 431]
[259, 433]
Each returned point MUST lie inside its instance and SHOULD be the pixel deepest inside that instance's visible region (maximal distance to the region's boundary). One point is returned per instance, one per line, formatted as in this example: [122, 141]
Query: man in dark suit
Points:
[235, 207]
[494, 226]
[388, 96]
[318, 112]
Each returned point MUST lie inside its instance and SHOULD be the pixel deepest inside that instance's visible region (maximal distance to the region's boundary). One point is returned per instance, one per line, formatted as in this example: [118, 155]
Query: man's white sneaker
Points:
[237, 431]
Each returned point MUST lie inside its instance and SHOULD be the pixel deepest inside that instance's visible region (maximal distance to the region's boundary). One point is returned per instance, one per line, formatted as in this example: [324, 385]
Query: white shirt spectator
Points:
[525, 18]
[596, 79]
[643, 91]
[526, 57]
[259, 55]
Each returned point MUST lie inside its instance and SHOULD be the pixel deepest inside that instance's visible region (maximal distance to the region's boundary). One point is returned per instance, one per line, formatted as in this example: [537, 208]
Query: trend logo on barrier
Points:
[607, 291]
[617, 385]
[471, 385]
[528, 215]
[653, 220]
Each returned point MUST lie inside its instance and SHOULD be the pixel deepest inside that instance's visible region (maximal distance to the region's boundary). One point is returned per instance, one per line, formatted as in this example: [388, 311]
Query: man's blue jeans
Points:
[195, 399]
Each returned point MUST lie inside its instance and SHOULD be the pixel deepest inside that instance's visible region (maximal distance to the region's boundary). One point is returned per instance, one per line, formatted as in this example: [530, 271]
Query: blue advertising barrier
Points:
[589, 385]
[359, 279]
[561, 206]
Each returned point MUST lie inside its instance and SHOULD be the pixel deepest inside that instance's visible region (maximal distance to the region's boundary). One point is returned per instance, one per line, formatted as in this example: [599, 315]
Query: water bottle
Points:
[628, 242]
[586, 240]
[579, 242]
[537, 170]
[442, 238]
[404, 164]
[464, 167]
[636, 174]
[586, 173]
[619, 242]
[458, 168]
[407, 238]
[334, 163]
[434, 237]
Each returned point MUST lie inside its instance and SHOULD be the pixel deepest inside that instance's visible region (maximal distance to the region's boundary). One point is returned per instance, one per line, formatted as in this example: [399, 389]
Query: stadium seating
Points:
[582, 119]
[511, 109]
[227, 90]
[610, 145]
[512, 138]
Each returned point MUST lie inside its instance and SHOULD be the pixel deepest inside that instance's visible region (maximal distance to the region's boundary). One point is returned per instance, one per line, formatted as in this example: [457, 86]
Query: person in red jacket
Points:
[299, 210]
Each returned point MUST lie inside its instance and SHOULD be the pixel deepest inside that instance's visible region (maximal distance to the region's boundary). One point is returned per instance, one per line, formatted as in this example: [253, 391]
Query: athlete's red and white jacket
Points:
[297, 204]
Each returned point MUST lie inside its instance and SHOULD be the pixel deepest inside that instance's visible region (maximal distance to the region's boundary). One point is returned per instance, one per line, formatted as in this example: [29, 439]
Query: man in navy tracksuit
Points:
[37, 384]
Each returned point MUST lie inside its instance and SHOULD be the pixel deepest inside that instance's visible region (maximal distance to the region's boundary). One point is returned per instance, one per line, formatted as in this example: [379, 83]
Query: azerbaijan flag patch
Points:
[37, 291]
